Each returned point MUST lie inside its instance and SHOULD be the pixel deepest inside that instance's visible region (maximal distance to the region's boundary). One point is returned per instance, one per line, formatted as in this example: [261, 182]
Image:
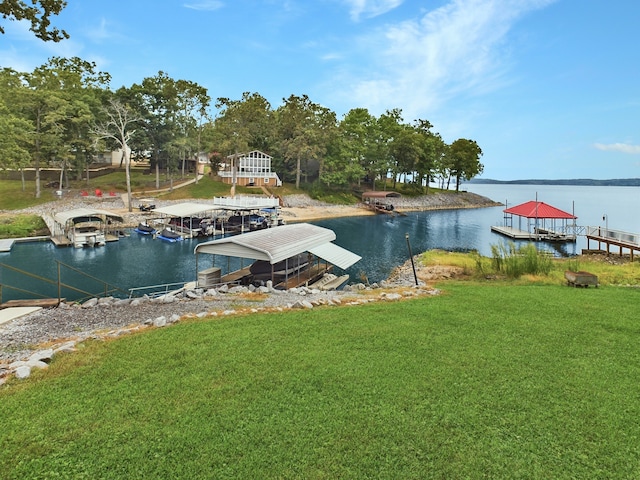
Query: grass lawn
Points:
[483, 381]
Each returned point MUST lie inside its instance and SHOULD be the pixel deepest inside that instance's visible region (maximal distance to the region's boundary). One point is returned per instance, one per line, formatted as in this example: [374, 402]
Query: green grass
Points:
[483, 381]
[13, 198]
[19, 226]
[478, 267]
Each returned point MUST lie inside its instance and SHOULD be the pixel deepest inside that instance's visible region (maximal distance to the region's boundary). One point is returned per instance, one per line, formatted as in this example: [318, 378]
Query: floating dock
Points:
[540, 235]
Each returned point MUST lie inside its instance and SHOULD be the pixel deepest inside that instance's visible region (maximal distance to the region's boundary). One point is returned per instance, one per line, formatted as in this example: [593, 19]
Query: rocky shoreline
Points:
[295, 207]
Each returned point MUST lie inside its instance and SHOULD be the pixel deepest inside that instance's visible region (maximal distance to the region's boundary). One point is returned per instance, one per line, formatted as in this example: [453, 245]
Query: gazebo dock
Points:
[542, 222]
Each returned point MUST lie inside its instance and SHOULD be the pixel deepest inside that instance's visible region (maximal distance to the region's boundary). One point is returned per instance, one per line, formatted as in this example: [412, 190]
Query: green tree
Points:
[46, 108]
[303, 128]
[38, 14]
[15, 129]
[193, 104]
[465, 160]
[14, 139]
[84, 89]
[358, 139]
[432, 149]
[155, 100]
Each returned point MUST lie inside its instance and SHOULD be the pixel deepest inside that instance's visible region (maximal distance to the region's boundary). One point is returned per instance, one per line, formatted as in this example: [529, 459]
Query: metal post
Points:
[59, 284]
[413, 266]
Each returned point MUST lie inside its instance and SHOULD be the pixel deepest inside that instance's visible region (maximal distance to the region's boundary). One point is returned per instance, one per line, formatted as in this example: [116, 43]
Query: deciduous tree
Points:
[465, 160]
[38, 14]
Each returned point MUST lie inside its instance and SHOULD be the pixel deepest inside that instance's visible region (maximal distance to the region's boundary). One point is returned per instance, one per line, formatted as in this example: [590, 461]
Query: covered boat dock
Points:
[281, 249]
[543, 223]
[84, 227]
[246, 210]
[182, 217]
[379, 201]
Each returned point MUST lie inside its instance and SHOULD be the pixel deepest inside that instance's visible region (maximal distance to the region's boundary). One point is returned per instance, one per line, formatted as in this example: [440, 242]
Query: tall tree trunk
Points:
[62, 173]
[37, 156]
[157, 170]
[298, 172]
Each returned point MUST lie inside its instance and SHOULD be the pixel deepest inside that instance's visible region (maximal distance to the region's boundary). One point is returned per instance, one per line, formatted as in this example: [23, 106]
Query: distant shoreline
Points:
[615, 182]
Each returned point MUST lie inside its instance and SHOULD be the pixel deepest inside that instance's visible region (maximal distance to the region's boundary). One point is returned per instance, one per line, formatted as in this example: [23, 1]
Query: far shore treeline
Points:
[64, 113]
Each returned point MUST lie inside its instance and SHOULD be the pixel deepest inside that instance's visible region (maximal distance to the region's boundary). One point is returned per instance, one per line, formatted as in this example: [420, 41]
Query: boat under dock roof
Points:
[277, 244]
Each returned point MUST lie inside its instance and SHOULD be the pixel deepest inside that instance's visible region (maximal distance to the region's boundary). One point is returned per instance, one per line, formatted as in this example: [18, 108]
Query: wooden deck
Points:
[237, 276]
[34, 302]
[304, 277]
[542, 235]
[61, 241]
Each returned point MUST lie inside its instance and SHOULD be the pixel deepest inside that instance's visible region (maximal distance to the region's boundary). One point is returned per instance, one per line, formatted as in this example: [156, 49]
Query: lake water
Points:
[380, 240]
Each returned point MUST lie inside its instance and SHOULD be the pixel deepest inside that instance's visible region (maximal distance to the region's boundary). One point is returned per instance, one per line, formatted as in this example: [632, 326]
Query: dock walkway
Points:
[617, 238]
[6, 244]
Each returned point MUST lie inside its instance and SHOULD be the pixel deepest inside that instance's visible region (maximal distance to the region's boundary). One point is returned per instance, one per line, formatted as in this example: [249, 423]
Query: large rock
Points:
[23, 372]
[42, 356]
[92, 302]
[303, 304]
[160, 322]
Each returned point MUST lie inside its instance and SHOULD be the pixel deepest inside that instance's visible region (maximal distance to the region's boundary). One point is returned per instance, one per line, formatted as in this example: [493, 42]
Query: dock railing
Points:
[59, 288]
[156, 290]
[614, 235]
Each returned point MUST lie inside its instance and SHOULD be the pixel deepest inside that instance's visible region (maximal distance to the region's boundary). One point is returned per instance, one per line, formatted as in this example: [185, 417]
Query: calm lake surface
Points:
[380, 240]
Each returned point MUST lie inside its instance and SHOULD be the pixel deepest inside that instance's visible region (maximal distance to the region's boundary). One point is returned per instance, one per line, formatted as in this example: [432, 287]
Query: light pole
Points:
[413, 266]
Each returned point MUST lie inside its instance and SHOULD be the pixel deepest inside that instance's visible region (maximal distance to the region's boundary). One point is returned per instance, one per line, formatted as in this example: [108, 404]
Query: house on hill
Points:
[249, 169]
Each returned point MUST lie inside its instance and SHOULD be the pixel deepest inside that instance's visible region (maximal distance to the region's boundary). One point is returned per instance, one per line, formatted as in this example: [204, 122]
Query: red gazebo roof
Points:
[533, 209]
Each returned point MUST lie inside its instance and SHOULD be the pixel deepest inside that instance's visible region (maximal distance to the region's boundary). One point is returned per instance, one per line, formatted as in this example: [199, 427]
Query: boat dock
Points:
[539, 234]
[6, 244]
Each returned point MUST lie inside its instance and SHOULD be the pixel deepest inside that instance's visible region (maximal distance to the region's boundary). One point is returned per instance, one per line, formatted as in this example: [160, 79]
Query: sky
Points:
[549, 89]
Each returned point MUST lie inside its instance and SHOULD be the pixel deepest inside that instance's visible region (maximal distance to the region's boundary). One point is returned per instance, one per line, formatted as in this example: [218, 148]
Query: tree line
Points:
[64, 113]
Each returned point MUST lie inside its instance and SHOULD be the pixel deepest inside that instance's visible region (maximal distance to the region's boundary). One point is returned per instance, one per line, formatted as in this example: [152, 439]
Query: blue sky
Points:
[548, 88]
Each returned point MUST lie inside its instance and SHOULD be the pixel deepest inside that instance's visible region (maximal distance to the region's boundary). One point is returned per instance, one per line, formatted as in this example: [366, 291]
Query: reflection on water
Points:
[380, 240]
[140, 260]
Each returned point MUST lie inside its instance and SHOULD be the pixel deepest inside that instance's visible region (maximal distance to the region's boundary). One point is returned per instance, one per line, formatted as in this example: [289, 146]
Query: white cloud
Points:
[100, 33]
[618, 147]
[370, 8]
[460, 47]
[25, 52]
[209, 5]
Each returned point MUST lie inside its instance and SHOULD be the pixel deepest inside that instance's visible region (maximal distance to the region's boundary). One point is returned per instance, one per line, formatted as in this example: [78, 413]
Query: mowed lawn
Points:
[483, 381]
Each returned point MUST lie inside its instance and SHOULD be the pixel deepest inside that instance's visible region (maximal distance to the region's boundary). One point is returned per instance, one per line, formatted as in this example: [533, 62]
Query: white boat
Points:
[83, 227]
[88, 232]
